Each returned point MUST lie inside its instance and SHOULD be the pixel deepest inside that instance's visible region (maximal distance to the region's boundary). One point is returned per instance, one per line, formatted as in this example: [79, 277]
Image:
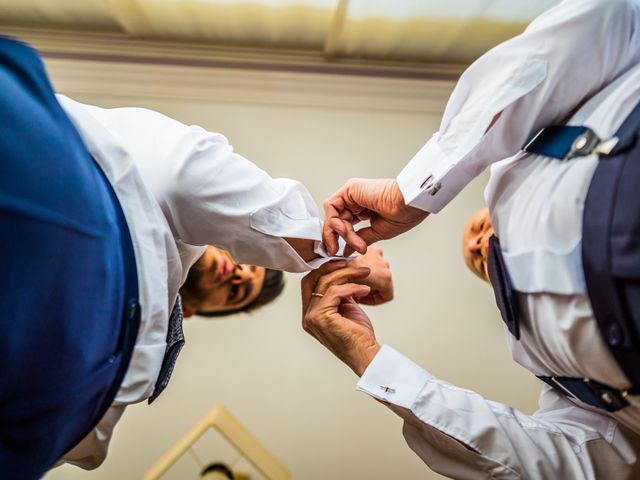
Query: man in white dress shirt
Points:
[576, 64]
[109, 209]
[182, 188]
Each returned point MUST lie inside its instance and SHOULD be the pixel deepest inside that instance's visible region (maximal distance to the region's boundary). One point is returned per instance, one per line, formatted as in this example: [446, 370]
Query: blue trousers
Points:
[64, 341]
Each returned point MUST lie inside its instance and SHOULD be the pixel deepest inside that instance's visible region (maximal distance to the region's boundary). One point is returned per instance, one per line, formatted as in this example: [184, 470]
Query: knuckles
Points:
[332, 290]
[306, 324]
[309, 320]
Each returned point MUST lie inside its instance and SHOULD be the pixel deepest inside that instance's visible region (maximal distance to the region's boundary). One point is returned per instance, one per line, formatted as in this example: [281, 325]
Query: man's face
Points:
[230, 286]
[475, 243]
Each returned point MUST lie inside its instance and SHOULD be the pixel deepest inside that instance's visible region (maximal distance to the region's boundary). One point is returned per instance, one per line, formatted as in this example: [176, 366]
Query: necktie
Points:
[175, 342]
[502, 288]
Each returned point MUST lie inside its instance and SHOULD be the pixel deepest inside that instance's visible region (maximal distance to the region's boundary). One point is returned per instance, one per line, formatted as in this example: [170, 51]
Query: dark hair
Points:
[193, 293]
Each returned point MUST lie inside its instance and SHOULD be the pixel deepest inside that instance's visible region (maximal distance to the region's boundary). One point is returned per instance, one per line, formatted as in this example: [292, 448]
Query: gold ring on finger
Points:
[316, 294]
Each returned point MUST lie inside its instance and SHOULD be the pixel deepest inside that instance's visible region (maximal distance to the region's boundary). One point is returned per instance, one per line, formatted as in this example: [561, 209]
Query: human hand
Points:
[378, 200]
[333, 317]
[380, 279]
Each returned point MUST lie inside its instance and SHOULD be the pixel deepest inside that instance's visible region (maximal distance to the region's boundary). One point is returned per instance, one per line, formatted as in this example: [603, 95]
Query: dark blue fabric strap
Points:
[563, 142]
[590, 392]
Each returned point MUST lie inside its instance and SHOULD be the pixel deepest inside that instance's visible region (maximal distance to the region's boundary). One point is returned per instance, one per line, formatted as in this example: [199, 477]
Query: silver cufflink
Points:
[435, 188]
[432, 188]
[426, 180]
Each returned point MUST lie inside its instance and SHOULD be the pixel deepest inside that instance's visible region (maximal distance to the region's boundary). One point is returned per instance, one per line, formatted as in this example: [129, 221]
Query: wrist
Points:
[364, 358]
[412, 214]
[303, 247]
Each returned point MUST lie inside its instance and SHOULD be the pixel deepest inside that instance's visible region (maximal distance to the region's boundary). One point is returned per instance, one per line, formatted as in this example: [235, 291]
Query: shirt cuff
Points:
[431, 180]
[393, 378]
[276, 224]
[445, 423]
[324, 257]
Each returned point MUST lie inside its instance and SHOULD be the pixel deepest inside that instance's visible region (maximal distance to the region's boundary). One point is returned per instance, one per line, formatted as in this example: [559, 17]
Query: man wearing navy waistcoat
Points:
[102, 214]
[555, 111]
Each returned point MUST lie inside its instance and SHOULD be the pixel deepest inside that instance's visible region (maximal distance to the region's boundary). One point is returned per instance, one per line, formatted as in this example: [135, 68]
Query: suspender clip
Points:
[607, 146]
[584, 144]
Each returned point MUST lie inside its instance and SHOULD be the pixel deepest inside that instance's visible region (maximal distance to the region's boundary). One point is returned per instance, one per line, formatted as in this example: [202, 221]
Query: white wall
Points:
[296, 398]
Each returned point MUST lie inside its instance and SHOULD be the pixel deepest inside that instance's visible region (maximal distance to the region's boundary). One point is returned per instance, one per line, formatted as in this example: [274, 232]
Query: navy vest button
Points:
[133, 308]
[615, 336]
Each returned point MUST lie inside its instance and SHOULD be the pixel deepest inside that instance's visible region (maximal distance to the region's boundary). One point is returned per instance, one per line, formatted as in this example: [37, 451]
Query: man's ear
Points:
[188, 311]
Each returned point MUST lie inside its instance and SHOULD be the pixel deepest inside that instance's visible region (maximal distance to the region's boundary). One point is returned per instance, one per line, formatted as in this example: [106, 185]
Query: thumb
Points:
[369, 235]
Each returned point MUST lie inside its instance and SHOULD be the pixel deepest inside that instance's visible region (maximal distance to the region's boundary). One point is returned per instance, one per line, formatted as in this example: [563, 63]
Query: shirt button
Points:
[615, 336]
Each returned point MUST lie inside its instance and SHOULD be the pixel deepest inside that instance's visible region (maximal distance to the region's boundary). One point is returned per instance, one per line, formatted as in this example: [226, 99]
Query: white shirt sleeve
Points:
[533, 80]
[460, 434]
[210, 195]
[220, 198]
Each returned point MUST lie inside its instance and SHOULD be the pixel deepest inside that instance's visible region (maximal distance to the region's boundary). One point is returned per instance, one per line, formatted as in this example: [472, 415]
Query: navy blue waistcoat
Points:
[611, 247]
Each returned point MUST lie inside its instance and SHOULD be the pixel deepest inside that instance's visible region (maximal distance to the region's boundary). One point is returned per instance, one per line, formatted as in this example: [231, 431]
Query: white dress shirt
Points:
[566, 56]
[182, 188]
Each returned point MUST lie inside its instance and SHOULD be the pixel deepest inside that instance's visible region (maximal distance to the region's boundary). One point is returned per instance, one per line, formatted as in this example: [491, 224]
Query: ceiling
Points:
[424, 31]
